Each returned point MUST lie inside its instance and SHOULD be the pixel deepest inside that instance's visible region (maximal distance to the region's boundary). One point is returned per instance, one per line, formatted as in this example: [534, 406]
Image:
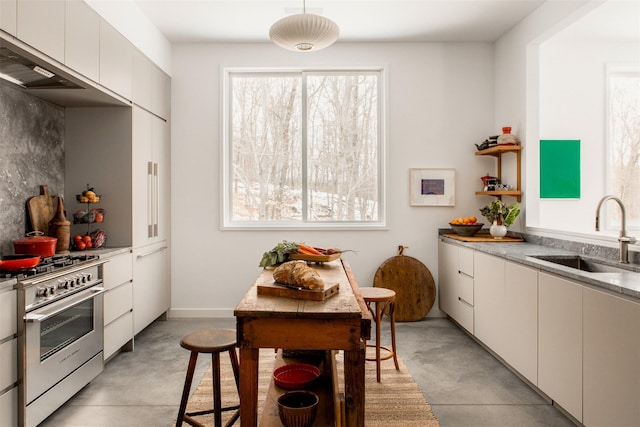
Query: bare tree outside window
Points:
[304, 147]
[624, 144]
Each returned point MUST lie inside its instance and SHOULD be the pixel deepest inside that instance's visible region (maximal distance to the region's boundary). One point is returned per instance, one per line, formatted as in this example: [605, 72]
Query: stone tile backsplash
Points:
[31, 154]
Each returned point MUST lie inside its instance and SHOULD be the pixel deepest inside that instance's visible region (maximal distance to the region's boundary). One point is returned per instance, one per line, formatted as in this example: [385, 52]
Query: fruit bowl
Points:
[466, 230]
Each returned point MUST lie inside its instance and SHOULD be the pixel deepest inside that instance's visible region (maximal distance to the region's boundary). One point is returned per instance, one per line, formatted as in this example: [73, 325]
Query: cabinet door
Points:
[447, 273]
[82, 39]
[489, 301]
[9, 406]
[116, 61]
[611, 358]
[142, 178]
[8, 16]
[8, 363]
[160, 151]
[521, 320]
[8, 314]
[160, 93]
[560, 342]
[141, 80]
[151, 293]
[40, 24]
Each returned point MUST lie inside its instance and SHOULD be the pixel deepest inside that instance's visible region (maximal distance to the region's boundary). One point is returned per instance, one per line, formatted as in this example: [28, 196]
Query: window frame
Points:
[227, 223]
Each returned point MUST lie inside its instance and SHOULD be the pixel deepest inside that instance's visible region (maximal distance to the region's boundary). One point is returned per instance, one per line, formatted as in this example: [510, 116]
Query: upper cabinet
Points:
[8, 16]
[151, 86]
[82, 39]
[116, 61]
[40, 24]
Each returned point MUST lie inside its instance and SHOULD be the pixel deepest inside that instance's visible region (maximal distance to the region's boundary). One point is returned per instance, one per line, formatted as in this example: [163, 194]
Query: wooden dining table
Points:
[340, 322]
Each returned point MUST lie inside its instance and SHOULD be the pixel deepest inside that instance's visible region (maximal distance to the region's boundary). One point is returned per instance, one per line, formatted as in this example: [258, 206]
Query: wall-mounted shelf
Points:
[497, 152]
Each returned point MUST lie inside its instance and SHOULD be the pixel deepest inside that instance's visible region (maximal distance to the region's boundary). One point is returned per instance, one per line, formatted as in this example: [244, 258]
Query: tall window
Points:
[303, 149]
[623, 144]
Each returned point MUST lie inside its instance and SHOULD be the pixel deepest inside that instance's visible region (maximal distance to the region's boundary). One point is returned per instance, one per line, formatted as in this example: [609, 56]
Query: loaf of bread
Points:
[298, 273]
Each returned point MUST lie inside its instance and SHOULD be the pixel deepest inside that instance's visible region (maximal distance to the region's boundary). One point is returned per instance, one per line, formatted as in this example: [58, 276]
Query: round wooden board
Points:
[413, 283]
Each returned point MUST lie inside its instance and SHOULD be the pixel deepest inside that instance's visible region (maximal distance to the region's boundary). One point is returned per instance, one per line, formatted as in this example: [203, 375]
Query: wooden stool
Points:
[383, 299]
[214, 341]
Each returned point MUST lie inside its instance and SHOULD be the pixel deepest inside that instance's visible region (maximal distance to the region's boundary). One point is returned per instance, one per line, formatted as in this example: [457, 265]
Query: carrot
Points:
[308, 249]
[304, 252]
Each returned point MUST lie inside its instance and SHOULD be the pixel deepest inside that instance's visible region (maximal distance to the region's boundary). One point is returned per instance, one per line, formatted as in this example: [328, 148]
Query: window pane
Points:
[266, 165]
[624, 146]
[342, 151]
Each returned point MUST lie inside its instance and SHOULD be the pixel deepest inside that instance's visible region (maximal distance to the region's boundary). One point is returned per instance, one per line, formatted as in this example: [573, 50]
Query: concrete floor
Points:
[464, 384]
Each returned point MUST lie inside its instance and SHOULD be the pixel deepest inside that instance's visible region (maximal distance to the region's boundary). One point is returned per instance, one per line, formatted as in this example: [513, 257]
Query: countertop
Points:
[627, 283]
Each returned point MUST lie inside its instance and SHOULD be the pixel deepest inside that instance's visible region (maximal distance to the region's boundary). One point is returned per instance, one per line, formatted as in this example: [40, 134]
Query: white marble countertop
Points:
[627, 283]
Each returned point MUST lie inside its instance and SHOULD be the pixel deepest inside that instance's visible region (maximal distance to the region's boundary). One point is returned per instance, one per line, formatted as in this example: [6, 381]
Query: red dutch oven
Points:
[35, 244]
[17, 263]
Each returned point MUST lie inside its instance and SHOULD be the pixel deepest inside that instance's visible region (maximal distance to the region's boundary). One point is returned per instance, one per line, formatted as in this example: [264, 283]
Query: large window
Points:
[303, 148]
[623, 142]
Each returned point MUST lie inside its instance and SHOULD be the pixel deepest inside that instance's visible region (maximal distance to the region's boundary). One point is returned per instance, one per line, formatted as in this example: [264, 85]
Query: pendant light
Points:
[304, 32]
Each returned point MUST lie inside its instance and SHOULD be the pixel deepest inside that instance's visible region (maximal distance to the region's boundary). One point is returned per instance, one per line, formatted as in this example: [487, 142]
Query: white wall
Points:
[572, 97]
[440, 102]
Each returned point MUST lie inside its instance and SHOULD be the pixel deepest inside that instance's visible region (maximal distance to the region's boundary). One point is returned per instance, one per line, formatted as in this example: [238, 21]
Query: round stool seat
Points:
[209, 340]
[377, 294]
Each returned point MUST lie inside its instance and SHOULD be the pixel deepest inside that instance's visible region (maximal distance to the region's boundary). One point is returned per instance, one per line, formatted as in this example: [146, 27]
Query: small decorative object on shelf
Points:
[500, 216]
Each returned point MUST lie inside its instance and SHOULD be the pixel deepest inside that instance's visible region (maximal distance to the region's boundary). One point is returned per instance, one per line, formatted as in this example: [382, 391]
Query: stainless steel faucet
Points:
[623, 238]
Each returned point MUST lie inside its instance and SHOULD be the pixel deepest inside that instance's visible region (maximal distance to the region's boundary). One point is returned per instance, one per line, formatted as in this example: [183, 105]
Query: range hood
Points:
[30, 71]
[27, 73]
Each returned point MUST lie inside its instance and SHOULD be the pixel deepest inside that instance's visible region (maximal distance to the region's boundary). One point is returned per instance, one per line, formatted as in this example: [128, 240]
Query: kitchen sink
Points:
[584, 264]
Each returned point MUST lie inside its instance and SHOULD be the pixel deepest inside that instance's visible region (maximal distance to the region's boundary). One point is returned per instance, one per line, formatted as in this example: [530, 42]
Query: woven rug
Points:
[395, 402]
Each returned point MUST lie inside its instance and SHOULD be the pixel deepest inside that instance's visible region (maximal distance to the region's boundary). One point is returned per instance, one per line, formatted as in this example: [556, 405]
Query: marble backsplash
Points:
[31, 154]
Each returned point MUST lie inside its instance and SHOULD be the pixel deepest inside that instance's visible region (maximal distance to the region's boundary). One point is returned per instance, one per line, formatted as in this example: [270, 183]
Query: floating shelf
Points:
[497, 152]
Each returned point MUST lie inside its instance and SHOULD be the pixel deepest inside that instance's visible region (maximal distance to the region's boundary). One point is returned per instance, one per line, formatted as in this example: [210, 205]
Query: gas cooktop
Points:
[46, 266]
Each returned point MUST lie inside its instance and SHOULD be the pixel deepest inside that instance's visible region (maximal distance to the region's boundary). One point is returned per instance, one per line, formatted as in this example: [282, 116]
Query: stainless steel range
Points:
[60, 332]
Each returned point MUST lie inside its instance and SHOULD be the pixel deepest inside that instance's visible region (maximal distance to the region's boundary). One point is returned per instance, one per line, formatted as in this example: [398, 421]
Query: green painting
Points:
[559, 169]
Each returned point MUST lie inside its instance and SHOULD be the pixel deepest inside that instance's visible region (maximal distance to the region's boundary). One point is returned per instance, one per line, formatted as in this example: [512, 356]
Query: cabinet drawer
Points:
[117, 302]
[465, 261]
[8, 363]
[465, 288]
[117, 334]
[9, 407]
[118, 270]
[463, 314]
[8, 314]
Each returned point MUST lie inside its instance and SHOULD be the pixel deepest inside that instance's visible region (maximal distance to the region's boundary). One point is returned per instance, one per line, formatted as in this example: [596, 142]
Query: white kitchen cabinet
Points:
[151, 291]
[8, 357]
[455, 283]
[611, 389]
[560, 341]
[116, 61]
[118, 303]
[141, 80]
[82, 39]
[160, 92]
[8, 16]
[151, 178]
[489, 303]
[40, 24]
[520, 349]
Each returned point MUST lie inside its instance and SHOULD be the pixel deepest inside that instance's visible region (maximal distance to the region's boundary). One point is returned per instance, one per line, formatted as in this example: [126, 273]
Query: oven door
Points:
[61, 337]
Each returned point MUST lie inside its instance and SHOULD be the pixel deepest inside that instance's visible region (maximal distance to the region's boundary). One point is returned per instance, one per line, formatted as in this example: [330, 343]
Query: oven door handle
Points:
[65, 304]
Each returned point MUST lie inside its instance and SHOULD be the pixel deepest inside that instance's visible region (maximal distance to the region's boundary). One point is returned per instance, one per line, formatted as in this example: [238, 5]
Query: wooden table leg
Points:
[354, 386]
[249, 387]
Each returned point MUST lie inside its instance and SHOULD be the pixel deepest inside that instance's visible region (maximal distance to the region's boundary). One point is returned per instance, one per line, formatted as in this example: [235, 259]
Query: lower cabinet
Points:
[560, 341]
[489, 301]
[455, 283]
[151, 292]
[611, 389]
[118, 303]
[8, 358]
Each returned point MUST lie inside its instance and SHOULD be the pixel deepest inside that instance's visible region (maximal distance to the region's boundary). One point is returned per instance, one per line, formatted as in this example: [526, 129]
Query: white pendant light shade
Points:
[304, 32]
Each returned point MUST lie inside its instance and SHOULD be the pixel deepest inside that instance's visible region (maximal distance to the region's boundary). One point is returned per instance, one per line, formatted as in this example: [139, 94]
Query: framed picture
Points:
[433, 187]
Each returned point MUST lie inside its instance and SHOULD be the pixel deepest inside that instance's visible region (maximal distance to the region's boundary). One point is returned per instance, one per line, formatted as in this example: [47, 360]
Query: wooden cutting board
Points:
[485, 237]
[413, 284]
[41, 209]
[329, 290]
